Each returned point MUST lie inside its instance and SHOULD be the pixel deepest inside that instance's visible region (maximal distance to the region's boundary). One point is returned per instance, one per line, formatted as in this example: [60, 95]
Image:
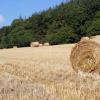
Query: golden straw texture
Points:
[85, 56]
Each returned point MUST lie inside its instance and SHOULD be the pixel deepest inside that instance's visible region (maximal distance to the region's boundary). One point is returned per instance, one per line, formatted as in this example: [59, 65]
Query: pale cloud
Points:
[2, 18]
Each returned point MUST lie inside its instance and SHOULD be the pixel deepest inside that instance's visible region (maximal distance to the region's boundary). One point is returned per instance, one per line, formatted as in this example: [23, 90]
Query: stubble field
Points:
[44, 73]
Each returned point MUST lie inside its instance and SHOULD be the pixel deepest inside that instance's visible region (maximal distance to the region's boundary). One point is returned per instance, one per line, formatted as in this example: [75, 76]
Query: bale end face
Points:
[85, 56]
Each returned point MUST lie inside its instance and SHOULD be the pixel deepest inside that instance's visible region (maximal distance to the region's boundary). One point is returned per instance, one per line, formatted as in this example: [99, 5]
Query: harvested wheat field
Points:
[44, 73]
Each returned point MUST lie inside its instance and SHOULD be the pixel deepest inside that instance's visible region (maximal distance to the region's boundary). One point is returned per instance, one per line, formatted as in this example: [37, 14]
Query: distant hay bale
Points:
[85, 56]
[34, 44]
[46, 44]
[15, 47]
[84, 38]
[40, 45]
[95, 38]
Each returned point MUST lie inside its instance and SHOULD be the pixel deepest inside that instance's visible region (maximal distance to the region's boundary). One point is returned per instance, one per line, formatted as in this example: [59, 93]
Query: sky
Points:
[12, 9]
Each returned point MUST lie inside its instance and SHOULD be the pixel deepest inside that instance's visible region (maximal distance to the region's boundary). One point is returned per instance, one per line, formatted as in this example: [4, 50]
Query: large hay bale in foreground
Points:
[85, 56]
[34, 44]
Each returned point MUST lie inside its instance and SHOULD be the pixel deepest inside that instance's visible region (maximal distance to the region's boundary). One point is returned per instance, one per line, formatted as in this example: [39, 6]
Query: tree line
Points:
[65, 23]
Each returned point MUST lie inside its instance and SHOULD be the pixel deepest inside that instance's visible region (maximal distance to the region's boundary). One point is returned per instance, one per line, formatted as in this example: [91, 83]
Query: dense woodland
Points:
[65, 23]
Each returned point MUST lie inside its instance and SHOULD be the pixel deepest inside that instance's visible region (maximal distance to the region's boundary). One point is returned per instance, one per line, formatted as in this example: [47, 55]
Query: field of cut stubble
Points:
[44, 73]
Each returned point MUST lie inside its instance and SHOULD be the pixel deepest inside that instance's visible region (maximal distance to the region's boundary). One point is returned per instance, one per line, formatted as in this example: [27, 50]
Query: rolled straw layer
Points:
[85, 56]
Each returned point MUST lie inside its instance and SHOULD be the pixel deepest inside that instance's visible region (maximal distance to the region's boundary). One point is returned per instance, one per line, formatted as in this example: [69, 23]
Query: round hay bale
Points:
[85, 56]
[95, 38]
[46, 44]
[14, 47]
[35, 44]
[40, 45]
[84, 38]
